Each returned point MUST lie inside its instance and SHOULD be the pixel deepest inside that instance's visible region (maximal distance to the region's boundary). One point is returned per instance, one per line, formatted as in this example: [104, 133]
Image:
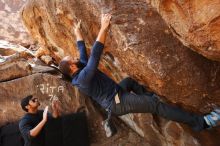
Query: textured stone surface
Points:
[44, 86]
[23, 75]
[7, 48]
[141, 45]
[14, 70]
[196, 23]
[11, 27]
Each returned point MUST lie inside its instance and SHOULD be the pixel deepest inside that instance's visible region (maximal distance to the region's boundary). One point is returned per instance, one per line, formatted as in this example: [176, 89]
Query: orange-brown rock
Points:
[141, 45]
[195, 23]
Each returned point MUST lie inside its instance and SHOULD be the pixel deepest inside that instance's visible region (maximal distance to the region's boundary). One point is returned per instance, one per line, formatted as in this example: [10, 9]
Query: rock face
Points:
[141, 45]
[11, 27]
[44, 86]
[196, 23]
[14, 70]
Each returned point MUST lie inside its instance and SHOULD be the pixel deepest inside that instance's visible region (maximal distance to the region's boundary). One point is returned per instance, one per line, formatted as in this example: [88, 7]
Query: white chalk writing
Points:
[50, 90]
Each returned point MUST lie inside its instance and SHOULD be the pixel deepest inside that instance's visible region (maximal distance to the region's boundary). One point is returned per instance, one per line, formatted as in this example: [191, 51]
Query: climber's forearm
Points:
[105, 22]
[78, 35]
[102, 35]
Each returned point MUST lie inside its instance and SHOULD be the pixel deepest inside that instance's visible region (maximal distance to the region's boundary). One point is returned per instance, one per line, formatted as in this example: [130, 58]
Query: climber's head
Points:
[30, 103]
[69, 65]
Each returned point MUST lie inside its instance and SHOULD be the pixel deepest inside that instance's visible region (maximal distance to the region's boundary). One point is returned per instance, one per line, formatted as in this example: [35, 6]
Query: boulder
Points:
[10, 52]
[140, 45]
[13, 70]
[195, 23]
[44, 86]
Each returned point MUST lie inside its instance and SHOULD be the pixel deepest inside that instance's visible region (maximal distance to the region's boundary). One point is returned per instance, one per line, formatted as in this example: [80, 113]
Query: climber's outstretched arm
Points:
[80, 43]
[88, 72]
[105, 21]
[77, 32]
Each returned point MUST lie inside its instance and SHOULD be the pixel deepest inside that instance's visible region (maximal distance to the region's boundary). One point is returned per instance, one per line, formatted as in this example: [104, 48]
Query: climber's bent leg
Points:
[129, 84]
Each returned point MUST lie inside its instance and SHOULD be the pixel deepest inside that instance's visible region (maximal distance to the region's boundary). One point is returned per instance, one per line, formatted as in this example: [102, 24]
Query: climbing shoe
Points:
[213, 119]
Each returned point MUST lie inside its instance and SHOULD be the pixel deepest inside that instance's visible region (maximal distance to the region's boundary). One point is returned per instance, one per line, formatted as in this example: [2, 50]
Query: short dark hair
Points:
[64, 67]
[25, 102]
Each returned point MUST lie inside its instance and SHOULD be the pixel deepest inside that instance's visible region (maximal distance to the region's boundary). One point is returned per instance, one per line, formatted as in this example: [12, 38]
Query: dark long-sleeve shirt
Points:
[28, 122]
[90, 80]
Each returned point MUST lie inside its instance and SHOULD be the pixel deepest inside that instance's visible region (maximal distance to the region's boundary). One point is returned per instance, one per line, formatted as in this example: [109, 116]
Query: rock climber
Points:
[126, 97]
